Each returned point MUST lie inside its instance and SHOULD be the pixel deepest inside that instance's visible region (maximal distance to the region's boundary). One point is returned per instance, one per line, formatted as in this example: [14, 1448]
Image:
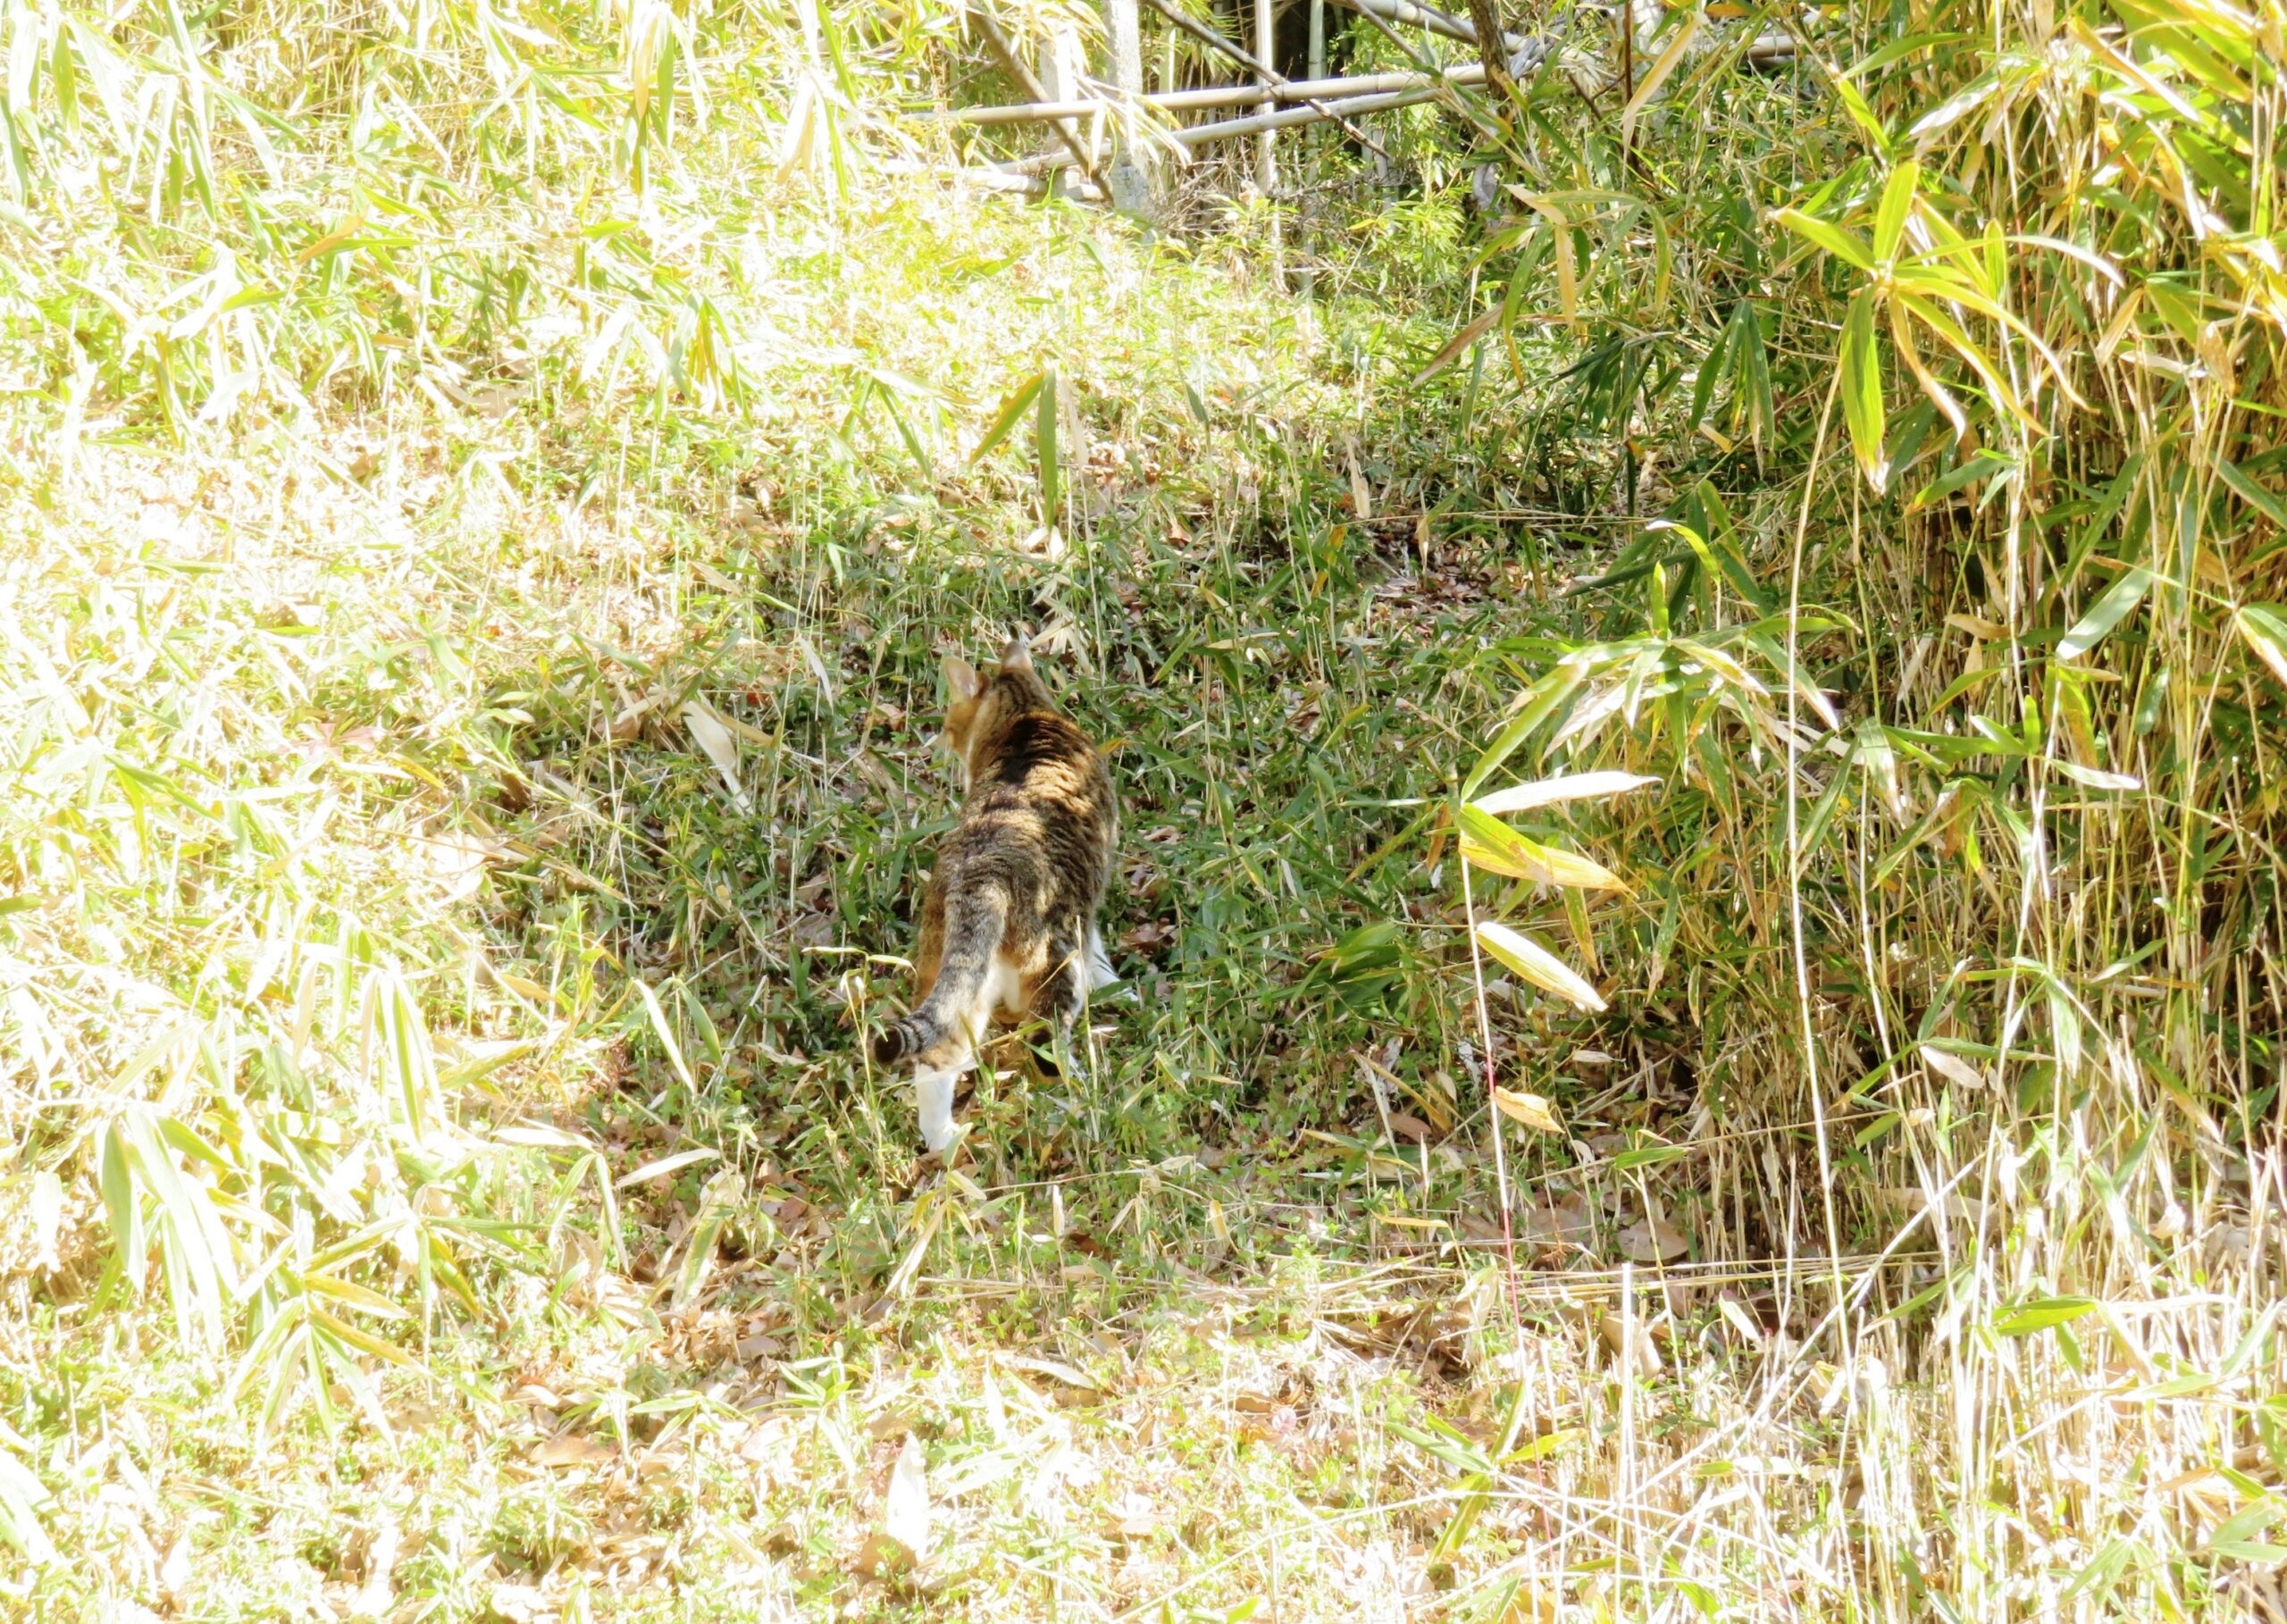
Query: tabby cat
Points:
[1010, 922]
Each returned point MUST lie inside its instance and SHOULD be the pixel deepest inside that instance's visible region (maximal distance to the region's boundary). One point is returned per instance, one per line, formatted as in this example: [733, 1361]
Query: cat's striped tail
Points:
[973, 927]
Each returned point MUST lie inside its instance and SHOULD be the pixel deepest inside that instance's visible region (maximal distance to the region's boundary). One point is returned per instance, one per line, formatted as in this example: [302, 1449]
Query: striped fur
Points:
[1008, 927]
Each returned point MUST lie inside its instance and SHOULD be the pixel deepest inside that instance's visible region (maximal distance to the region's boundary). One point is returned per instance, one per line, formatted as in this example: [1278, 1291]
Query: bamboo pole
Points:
[1131, 189]
[1265, 170]
[1265, 161]
[1428, 18]
[1225, 129]
[1334, 91]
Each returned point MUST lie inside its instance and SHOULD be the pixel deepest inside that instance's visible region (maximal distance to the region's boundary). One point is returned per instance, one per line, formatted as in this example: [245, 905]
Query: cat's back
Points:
[1041, 784]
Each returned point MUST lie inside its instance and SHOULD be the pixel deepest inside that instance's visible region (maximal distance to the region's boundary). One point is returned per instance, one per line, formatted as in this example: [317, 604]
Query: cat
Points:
[1010, 921]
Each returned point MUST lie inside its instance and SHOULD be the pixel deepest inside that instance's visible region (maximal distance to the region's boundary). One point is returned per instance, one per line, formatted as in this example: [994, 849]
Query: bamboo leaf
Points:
[2108, 611]
[1456, 345]
[1897, 202]
[709, 732]
[1846, 246]
[2264, 628]
[1045, 449]
[1861, 389]
[1490, 844]
[1657, 74]
[1549, 792]
[662, 1167]
[2042, 1314]
[22, 1498]
[1536, 705]
[1005, 419]
[1538, 965]
[666, 1034]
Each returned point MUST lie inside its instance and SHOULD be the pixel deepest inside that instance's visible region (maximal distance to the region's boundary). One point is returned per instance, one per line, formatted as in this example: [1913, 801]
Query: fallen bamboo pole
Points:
[1225, 130]
[1428, 18]
[1265, 74]
[1766, 48]
[1334, 91]
[1014, 65]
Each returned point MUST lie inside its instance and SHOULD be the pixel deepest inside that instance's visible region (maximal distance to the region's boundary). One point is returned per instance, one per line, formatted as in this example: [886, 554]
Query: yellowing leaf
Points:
[1531, 1109]
[2097, 778]
[1490, 844]
[2265, 628]
[1657, 75]
[1538, 965]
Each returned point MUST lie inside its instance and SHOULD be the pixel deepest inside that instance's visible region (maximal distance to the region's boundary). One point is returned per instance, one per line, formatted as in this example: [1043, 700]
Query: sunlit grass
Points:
[445, 1185]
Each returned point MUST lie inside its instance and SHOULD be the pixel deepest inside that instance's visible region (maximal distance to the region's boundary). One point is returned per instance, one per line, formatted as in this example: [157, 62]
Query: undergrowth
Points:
[1747, 665]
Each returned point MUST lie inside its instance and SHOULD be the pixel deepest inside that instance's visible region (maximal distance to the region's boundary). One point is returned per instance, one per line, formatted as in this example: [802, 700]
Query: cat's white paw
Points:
[934, 1090]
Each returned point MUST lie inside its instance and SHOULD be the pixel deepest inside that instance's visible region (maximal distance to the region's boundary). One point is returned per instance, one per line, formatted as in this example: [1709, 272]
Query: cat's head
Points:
[979, 701]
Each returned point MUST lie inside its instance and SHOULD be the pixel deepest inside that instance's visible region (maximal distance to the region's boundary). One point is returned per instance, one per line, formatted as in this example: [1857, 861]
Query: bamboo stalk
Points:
[1224, 129]
[1266, 160]
[1265, 165]
[1131, 187]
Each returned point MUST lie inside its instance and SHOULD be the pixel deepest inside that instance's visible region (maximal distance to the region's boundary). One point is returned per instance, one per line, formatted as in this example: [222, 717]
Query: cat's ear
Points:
[961, 678]
[1018, 656]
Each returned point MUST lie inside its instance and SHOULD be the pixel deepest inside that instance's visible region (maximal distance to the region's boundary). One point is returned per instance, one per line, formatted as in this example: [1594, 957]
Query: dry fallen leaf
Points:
[572, 1449]
[1952, 1066]
[1653, 1241]
[768, 1441]
[174, 1573]
[905, 1509]
[1530, 1604]
[629, 723]
[1055, 1369]
[1565, 1223]
[707, 731]
[1615, 1332]
[1411, 1126]
[374, 1596]
[521, 1603]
